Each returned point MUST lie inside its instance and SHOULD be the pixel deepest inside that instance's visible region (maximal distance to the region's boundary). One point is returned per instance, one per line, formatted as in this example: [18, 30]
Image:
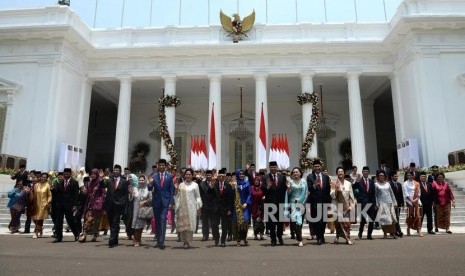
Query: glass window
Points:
[310, 11]
[194, 12]
[370, 11]
[281, 12]
[137, 13]
[165, 13]
[109, 14]
[340, 11]
[244, 153]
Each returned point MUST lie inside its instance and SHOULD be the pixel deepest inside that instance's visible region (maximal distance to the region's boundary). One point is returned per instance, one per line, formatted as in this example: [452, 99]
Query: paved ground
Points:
[439, 255]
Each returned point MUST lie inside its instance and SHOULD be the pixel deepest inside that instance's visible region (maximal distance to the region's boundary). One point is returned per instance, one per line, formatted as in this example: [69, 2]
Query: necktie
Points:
[161, 180]
[366, 183]
[221, 188]
[424, 186]
[66, 185]
[275, 180]
[318, 180]
[116, 183]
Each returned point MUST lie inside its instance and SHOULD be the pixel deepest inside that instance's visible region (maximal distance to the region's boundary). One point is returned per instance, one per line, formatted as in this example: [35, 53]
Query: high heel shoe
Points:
[82, 238]
[349, 242]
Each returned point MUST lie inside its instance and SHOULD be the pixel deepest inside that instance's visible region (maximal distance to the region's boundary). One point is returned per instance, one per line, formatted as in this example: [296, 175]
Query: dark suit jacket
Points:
[66, 198]
[118, 196]
[398, 192]
[210, 196]
[318, 195]
[226, 198]
[426, 197]
[276, 194]
[363, 195]
[21, 176]
[162, 197]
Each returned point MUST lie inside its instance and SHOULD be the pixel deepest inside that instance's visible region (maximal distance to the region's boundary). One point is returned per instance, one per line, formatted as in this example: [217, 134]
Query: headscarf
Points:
[134, 180]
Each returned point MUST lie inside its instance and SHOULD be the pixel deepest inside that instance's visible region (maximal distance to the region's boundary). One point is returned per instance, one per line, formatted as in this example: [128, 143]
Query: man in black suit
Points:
[67, 193]
[251, 173]
[427, 200]
[210, 208]
[383, 167]
[319, 189]
[226, 202]
[413, 170]
[22, 175]
[434, 174]
[115, 200]
[399, 194]
[274, 195]
[366, 196]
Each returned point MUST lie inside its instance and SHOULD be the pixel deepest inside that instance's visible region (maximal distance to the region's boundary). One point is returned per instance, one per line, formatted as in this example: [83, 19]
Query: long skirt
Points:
[90, 219]
[240, 231]
[443, 216]
[413, 218]
[343, 229]
[104, 224]
[15, 222]
[258, 226]
[186, 236]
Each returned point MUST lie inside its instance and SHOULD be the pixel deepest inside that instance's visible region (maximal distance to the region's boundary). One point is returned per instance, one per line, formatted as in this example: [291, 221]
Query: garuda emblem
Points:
[235, 27]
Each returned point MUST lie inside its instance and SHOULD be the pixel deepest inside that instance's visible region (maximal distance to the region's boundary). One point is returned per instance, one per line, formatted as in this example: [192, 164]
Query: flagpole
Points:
[122, 13]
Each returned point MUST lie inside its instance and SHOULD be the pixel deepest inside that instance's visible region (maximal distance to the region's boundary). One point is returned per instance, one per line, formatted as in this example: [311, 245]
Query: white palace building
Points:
[66, 78]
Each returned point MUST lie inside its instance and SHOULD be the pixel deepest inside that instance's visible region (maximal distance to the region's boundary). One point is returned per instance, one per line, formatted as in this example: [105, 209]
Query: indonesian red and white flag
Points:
[212, 147]
[195, 156]
[262, 144]
[286, 153]
[203, 154]
[272, 156]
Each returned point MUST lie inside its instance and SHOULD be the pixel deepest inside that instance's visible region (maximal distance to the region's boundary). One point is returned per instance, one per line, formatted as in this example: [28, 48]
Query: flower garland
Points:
[167, 101]
[302, 99]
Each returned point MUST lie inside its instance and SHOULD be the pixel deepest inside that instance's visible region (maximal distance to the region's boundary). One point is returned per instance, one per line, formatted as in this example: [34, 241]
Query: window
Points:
[244, 153]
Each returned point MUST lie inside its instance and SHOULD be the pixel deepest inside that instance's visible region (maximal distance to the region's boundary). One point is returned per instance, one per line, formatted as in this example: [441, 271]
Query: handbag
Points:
[145, 213]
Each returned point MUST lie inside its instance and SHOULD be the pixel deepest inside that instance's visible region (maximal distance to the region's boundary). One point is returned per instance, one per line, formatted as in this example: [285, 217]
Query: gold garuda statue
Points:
[235, 27]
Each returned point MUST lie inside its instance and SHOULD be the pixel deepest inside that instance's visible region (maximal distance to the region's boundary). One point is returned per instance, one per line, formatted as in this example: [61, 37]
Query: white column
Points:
[306, 79]
[261, 97]
[122, 122]
[397, 108]
[215, 98]
[170, 89]
[357, 134]
[5, 146]
[84, 110]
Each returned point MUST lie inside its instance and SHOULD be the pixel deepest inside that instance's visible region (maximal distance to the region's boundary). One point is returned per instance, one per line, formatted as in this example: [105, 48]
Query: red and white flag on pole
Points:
[195, 155]
[262, 144]
[279, 150]
[286, 152]
[203, 154]
[272, 156]
[212, 148]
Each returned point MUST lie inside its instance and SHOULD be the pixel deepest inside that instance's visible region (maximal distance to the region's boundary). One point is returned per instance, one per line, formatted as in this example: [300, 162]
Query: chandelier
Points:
[323, 130]
[241, 132]
[155, 134]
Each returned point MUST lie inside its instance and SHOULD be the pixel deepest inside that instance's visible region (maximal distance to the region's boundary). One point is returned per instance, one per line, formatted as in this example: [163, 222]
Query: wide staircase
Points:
[457, 214]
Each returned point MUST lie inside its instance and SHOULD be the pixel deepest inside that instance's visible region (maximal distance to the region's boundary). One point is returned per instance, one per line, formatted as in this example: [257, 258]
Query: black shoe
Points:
[436, 230]
[229, 239]
[56, 241]
[162, 246]
[319, 242]
[204, 239]
[76, 238]
[216, 243]
[281, 242]
[172, 230]
[292, 237]
[369, 238]
[273, 244]
[111, 245]
[431, 233]
[359, 237]
[449, 232]
[25, 232]
[223, 245]
[179, 239]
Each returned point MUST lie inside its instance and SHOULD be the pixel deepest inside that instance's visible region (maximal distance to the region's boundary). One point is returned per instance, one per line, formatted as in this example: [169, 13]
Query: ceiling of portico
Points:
[280, 88]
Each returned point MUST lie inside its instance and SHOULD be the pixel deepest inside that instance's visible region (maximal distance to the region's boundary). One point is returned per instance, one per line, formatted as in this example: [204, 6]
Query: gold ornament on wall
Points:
[235, 27]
